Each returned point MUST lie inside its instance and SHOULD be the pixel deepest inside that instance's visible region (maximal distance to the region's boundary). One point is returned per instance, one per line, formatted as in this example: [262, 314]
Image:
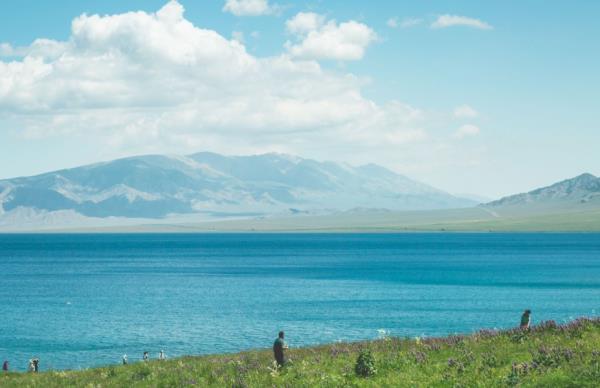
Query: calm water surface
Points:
[77, 301]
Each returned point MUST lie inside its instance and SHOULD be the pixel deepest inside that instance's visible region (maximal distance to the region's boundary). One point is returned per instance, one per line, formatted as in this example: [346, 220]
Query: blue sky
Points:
[492, 108]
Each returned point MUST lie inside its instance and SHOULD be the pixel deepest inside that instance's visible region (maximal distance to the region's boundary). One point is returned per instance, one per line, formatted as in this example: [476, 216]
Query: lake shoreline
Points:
[545, 353]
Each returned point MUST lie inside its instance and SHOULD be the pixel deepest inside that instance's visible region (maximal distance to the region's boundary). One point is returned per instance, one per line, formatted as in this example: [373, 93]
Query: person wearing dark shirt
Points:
[278, 349]
[526, 319]
[5, 366]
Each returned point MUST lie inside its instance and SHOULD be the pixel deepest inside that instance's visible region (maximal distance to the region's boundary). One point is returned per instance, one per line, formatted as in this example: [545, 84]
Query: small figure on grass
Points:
[34, 365]
[526, 319]
[145, 358]
[278, 349]
[124, 359]
[5, 366]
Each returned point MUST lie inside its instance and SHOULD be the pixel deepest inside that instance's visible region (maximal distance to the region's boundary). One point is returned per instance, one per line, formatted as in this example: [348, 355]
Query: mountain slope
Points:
[581, 189]
[156, 186]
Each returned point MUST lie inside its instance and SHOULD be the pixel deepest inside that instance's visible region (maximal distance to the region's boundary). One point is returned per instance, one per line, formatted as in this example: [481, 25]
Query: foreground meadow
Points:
[547, 355]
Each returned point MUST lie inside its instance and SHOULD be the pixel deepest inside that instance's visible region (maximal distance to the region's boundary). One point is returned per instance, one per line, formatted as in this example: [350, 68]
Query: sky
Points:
[489, 98]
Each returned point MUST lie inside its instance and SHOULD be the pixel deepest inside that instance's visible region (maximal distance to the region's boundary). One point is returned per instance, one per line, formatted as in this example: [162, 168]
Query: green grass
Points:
[547, 355]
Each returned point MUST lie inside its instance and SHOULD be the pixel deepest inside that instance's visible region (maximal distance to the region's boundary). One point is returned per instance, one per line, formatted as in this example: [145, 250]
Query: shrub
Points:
[489, 360]
[365, 364]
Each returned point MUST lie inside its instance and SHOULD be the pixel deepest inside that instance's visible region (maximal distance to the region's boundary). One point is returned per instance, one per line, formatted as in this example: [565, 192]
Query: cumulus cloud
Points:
[248, 7]
[304, 23]
[316, 38]
[445, 21]
[39, 48]
[465, 112]
[466, 131]
[141, 82]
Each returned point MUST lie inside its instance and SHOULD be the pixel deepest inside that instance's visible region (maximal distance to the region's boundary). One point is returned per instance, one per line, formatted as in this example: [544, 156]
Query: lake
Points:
[82, 300]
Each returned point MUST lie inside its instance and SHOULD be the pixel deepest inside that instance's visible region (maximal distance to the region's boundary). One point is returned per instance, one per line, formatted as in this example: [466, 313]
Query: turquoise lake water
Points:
[77, 301]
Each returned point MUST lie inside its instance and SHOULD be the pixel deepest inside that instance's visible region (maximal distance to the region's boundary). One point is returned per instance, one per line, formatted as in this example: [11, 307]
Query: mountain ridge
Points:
[581, 188]
[159, 186]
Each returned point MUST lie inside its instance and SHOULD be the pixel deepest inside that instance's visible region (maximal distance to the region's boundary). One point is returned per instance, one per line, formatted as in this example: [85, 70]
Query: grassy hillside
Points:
[548, 355]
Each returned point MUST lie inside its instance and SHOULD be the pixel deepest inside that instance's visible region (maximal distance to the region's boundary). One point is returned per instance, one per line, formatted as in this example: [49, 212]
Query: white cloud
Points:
[6, 50]
[39, 48]
[466, 131]
[317, 38]
[304, 23]
[465, 112]
[444, 21]
[405, 23]
[153, 82]
[248, 7]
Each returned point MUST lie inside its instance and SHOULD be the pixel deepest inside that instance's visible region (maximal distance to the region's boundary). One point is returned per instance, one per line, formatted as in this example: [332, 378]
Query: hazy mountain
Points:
[581, 189]
[156, 186]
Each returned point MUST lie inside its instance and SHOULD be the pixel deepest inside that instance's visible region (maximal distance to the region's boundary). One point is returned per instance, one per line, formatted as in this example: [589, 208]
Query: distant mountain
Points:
[156, 186]
[581, 190]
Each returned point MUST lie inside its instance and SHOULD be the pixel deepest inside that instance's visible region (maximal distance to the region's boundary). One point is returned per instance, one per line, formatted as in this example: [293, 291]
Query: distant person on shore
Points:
[145, 356]
[124, 359]
[31, 366]
[525, 319]
[161, 355]
[278, 349]
[5, 366]
[36, 364]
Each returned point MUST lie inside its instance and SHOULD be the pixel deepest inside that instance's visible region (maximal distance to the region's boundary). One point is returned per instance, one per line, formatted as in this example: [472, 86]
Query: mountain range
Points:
[582, 189]
[207, 186]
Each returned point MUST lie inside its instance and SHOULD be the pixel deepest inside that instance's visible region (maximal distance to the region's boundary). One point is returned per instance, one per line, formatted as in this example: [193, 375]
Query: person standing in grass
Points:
[124, 359]
[145, 356]
[526, 319]
[5, 366]
[278, 349]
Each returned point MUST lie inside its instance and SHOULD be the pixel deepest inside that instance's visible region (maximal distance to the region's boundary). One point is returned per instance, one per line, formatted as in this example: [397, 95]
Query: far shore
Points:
[586, 218]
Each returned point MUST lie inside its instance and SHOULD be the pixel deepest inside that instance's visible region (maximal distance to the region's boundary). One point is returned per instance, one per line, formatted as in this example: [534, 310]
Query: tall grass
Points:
[547, 355]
